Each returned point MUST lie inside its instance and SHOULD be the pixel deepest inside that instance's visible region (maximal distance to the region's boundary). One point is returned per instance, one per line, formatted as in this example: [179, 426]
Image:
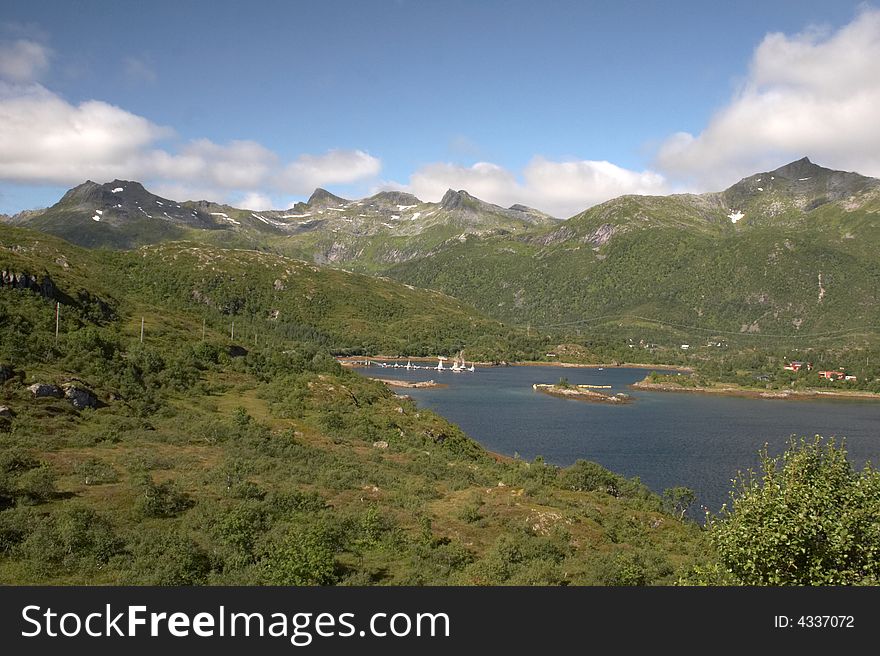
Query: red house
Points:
[832, 375]
[797, 366]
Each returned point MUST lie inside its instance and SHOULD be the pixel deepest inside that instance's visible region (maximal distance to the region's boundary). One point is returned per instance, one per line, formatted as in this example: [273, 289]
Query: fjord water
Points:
[664, 438]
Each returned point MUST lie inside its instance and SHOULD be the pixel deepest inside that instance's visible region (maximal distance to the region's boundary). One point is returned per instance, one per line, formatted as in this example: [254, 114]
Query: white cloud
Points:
[23, 60]
[559, 188]
[572, 186]
[255, 201]
[44, 139]
[814, 93]
[236, 165]
[307, 172]
[485, 180]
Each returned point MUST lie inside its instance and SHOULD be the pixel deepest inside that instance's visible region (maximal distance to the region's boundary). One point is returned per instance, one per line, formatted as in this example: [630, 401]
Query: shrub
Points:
[305, 556]
[36, 485]
[73, 537]
[586, 476]
[170, 558]
[807, 519]
[164, 499]
[95, 472]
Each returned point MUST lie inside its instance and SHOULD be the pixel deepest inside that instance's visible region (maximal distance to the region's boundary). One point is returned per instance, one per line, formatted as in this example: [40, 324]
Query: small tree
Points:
[677, 500]
[165, 499]
[808, 519]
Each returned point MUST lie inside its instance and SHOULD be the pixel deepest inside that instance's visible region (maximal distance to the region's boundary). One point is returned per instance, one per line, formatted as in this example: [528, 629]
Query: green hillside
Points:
[191, 459]
[688, 263]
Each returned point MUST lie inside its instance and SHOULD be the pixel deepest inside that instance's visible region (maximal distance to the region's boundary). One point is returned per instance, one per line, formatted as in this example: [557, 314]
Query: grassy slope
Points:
[271, 467]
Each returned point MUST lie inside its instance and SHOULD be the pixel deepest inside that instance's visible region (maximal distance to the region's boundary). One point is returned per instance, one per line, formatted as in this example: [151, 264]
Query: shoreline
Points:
[792, 395]
[352, 362]
[623, 365]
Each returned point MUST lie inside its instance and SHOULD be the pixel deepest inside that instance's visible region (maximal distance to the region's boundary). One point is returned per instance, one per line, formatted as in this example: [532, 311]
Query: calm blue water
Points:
[666, 439]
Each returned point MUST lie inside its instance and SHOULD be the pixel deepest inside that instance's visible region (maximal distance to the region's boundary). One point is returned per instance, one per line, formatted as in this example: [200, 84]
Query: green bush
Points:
[169, 558]
[74, 537]
[587, 476]
[305, 556]
[164, 499]
[807, 519]
[36, 485]
[95, 472]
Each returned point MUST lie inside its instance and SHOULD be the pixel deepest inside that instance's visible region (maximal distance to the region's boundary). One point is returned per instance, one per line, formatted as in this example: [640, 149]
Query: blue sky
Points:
[554, 104]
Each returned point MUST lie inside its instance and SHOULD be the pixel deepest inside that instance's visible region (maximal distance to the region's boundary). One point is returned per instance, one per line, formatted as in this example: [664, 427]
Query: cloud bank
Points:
[44, 139]
[560, 188]
[814, 94]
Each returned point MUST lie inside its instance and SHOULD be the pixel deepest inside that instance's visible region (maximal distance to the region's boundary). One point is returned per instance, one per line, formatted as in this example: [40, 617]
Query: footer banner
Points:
[275, 620]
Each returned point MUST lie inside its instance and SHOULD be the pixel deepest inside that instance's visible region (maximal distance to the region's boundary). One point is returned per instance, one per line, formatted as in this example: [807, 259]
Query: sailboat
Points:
[408, 364]
[471, 368]
[458, 362]
[440, 363]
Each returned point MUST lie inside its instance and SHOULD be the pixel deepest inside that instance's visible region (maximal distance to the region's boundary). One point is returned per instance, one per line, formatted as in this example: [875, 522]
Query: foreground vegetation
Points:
[202, 459]
[806, 519]
[212, 461]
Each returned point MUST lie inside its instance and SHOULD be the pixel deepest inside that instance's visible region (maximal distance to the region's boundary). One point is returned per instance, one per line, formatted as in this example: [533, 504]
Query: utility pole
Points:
[142, 330]
[232, 334]
[57, 318]
[203, 330]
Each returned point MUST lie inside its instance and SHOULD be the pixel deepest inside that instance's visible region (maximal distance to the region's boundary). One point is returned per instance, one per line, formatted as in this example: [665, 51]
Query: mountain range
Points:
[785, 252]
[326, 228]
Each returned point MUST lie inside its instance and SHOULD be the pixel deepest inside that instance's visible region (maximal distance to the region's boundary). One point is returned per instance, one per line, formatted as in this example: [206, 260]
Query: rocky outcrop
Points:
[601, 235]
[43, 390]
[80, 397]
[5, 412]
[23, 280]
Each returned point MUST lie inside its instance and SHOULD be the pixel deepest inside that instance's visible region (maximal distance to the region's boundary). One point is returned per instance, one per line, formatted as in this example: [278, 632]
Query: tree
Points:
[678, 499]
[809, 519]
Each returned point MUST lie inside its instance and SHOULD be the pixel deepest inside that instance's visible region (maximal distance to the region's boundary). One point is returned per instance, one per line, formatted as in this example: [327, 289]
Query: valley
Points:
[215, 438]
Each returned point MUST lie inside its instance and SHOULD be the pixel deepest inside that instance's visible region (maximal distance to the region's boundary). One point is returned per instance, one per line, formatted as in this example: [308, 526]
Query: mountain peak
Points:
[798, 169]
[396, 198]
[321, 197]
[453, 199]
[82, 192]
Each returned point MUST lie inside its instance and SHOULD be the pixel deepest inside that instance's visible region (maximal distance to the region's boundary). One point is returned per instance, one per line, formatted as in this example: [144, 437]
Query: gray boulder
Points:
[43, 389]
[80, 397]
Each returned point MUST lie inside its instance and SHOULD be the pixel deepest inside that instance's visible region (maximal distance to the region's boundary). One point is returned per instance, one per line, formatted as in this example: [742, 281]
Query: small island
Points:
[409, 383]
[582, 392]
[684, 383]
